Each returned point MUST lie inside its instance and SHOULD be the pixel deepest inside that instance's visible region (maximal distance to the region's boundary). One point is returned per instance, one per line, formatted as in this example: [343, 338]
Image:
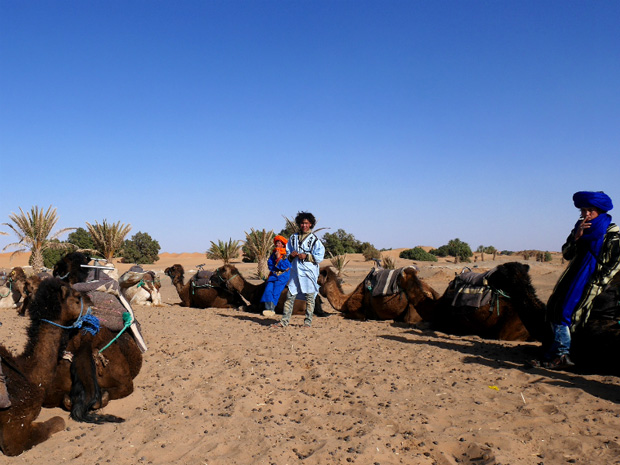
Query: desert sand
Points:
[219, 386]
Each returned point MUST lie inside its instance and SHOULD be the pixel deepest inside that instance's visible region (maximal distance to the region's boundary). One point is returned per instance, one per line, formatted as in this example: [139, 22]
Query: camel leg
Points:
[17, 438]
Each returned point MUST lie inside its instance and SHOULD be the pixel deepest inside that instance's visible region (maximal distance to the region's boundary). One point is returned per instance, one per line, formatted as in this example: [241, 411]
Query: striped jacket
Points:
[608, 264]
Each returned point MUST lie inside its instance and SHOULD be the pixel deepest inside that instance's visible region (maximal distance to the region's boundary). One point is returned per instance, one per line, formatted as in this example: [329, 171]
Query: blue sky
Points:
[402, 122]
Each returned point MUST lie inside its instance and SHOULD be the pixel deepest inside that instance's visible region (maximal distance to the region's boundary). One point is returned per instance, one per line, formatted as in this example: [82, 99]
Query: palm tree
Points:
[108, 237]
[225, 251]
[259, 245]
[339, 262]
[34, 231]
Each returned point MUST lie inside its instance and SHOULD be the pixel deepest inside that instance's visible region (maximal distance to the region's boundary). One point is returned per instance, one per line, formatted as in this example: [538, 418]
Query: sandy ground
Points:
[219, 386]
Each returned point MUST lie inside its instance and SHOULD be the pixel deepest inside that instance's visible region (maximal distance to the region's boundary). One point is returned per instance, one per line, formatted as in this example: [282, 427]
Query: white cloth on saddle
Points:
[133, 276]
[471, 289]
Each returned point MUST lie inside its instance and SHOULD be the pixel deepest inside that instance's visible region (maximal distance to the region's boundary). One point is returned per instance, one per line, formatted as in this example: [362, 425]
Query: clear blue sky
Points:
[402, 122]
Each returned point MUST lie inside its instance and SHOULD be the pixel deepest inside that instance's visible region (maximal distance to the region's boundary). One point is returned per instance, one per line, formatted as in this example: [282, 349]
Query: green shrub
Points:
[455, 248]
[341, 243]
[140, 249]
[548, 257]
[370, 252]
[418, 253]
[81, 239]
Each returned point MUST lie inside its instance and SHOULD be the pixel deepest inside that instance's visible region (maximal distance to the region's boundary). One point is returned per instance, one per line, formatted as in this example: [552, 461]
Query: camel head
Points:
[513, 279]
[69, 268]
[17, 274]
[175, 272]
[416, 289]
[56, 301]
[152, 276]
[327, 274]
[223, 275]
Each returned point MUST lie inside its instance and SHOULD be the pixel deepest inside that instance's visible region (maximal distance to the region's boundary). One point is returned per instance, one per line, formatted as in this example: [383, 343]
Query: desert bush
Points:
[548, 257]
[81, 239]
[340, 243]
[370, 252]
[140, 249]
[224, 251]
[418, 253]
[390, 264]
[455, 248]
[50, 256]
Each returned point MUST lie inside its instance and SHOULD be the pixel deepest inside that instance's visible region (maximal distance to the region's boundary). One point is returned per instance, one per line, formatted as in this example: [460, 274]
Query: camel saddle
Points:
[470, 289]
[109, 305]
[383, 282]
[202, 279]
[135, 275]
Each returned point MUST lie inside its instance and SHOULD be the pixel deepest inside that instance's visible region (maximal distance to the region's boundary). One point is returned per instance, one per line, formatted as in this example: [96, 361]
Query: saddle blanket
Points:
[383, 282]
[470, 289]
[133, 277]
[109, 305]
[202, 278]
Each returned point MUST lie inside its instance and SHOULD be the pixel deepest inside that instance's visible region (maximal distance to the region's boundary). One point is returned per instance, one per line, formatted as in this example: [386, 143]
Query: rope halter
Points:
[86, 320]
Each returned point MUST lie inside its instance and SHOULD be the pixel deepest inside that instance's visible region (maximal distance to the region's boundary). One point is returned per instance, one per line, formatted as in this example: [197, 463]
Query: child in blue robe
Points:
[279, 274]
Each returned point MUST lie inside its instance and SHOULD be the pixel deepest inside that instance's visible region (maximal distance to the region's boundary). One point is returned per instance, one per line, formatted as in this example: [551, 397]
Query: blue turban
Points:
[600, 200]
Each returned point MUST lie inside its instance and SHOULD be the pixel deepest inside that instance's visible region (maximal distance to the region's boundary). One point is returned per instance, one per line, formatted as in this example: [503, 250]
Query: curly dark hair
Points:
[305, 216]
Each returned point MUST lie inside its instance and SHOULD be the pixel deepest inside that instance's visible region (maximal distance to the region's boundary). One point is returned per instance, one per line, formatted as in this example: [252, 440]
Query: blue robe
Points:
[280, 272]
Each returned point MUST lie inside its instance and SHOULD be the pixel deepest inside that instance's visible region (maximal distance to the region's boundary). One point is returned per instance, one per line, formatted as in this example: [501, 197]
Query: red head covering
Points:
[281, 239]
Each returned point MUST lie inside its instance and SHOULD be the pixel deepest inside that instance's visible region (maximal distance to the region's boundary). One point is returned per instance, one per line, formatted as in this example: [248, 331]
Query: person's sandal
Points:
[278, 325]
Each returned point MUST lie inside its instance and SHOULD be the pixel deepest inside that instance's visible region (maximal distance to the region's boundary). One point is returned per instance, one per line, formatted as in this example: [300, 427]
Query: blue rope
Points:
[88, 322]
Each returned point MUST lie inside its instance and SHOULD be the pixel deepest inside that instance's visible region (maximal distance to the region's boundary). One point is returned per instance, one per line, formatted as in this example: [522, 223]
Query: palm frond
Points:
[224, 251]
[339, 262]
[259, 244]
[108, 237]
[34, 231]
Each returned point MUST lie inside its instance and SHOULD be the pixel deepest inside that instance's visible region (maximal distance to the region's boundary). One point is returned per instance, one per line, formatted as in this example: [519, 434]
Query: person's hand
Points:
[302, 256]
[585, 224]
[293, 254]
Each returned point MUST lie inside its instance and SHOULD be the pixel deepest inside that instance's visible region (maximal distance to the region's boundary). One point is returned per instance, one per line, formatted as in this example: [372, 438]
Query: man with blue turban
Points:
[593, 248]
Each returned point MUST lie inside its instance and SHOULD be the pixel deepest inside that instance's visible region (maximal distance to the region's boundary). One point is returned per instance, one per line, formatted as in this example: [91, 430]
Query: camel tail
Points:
[85, 390]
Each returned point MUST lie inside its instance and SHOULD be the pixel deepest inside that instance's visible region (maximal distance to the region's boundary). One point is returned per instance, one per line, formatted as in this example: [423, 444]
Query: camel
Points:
[512, 291]
[141, 287]
[30, 374]
[229, 276]
[25, 286]
[419, 304]
[115, 367]
[199, 293]
[592, 346]
[414, 296]
[10, 295]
